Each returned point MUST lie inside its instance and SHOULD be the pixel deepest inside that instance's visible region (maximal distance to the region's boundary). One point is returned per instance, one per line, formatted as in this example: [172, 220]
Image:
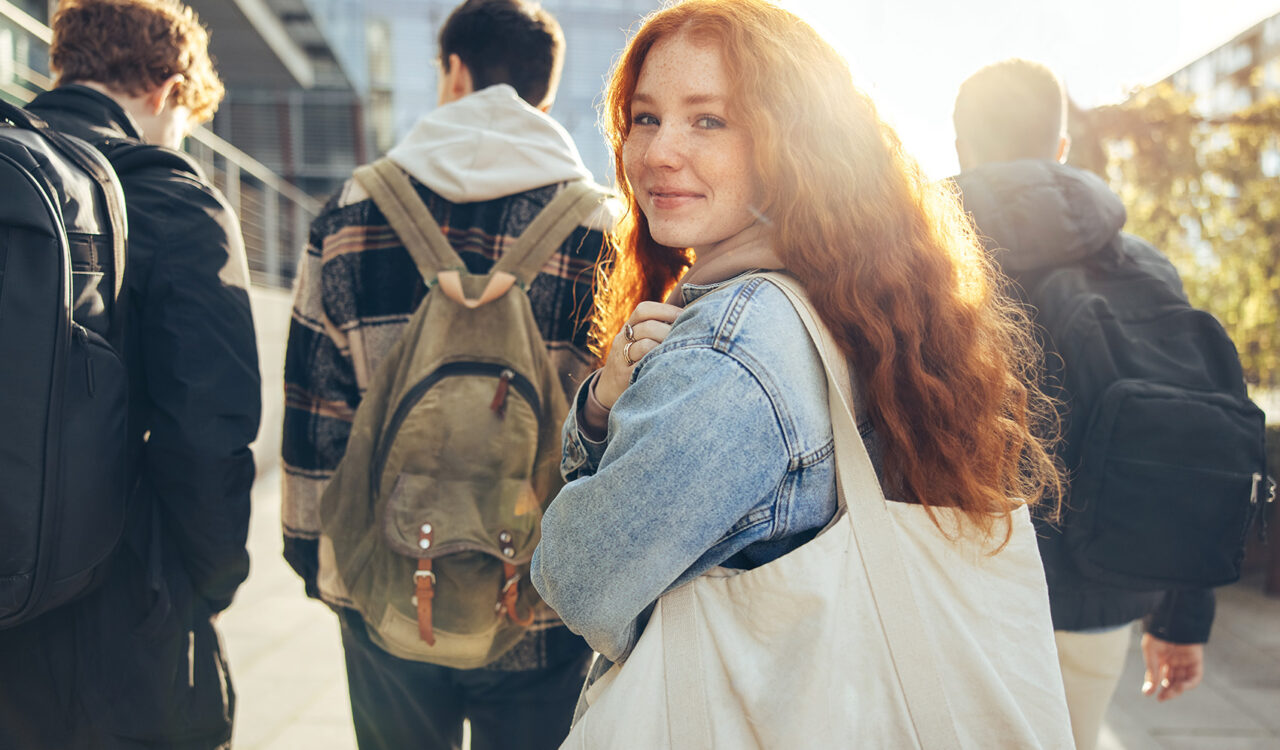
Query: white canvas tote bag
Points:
[879, 633]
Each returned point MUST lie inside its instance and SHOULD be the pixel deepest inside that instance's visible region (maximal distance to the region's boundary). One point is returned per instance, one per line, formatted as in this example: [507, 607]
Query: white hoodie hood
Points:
[486, 145]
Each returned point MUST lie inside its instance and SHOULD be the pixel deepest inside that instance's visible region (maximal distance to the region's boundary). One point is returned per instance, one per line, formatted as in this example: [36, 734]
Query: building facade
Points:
[312, 130]
[1237, 75]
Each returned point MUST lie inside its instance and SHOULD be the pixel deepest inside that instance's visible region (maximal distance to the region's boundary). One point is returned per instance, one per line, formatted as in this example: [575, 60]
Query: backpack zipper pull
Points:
[1270, 497]
[82, 336]
[499, 403]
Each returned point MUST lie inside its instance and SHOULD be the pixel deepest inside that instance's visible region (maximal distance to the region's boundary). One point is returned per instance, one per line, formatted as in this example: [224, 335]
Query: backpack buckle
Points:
[513, 580]
[424, 589]
[509, 595]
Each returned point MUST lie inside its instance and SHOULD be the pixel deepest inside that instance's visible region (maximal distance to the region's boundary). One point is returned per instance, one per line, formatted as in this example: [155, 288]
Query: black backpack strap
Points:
[83, 156]
[128, 157]
[548, 230]
[395, 196]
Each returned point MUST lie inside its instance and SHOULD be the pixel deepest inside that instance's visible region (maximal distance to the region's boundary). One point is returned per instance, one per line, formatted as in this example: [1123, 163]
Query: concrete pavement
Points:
[286, 658]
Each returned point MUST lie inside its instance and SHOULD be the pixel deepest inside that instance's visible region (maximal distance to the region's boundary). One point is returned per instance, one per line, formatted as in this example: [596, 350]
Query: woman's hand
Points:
[645, 329]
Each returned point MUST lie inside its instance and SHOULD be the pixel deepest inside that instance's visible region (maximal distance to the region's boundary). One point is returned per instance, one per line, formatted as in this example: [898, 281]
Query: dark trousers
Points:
[407, 705]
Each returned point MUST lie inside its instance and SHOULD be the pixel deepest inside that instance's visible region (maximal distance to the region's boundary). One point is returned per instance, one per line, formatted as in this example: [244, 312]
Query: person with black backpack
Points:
[1163, 446]
[119, 649]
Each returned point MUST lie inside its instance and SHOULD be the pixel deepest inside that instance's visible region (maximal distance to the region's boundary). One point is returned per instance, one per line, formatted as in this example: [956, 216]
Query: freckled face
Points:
[687, 161]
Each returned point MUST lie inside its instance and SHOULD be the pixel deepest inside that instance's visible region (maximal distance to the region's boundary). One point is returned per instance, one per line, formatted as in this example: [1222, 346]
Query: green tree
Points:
[1206, 191]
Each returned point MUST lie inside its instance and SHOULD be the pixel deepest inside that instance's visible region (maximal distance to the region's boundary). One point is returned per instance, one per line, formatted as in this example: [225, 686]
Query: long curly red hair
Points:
[889, 259]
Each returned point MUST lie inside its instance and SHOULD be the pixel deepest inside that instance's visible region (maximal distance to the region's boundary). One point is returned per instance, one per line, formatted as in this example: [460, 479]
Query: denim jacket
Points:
[718, 453]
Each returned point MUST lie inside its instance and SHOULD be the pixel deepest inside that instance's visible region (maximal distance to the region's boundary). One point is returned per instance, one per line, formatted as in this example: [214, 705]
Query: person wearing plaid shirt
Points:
[485, 162]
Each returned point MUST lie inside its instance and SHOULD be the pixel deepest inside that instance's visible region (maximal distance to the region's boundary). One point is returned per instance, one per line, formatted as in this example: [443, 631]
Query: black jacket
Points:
[1035, 215]
[139, 659]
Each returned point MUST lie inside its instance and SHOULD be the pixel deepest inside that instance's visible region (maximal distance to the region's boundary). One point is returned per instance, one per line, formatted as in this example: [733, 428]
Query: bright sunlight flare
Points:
[912, 55]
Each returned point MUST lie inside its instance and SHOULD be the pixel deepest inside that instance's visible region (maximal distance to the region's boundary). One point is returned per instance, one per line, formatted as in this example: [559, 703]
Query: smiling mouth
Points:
[671, 198]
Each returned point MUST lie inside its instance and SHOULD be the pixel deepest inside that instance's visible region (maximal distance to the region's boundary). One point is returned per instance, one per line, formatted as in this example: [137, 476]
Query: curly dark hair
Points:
[133, 46]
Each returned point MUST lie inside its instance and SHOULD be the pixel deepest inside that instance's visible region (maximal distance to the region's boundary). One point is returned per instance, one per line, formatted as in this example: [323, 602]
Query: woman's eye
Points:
[709, 122]
[644, 118]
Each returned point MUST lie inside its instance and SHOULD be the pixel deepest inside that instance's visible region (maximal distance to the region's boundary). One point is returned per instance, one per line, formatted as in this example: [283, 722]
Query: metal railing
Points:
[274, 213]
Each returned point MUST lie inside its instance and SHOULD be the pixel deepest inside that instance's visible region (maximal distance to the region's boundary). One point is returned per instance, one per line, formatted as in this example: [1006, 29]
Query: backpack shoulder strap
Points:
[395, 196]
[128, 157]
[544, 235]
[84, 156]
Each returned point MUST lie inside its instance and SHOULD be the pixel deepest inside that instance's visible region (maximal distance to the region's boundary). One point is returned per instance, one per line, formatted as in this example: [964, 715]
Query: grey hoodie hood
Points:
[487, 145]
[1036, 212]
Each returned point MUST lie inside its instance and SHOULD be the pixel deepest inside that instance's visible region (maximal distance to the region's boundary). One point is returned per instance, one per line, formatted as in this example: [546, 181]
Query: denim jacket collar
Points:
[692, 292]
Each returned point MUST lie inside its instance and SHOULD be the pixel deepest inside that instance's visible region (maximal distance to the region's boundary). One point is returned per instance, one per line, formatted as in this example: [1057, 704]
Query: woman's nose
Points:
[665, 150]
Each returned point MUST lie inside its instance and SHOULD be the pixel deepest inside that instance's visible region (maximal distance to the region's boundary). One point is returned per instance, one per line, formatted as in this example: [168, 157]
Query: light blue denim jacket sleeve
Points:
[719, 452]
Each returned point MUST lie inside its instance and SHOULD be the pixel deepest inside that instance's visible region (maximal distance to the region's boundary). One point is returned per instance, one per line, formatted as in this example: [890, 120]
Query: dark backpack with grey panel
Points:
[63, 462]
[1165, 448]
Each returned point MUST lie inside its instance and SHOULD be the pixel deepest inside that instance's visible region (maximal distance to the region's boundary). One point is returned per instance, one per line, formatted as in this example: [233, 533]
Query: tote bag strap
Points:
[877, 541]
[687, 719]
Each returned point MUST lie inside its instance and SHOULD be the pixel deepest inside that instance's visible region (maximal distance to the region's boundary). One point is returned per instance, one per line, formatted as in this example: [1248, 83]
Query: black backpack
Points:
[64, 386]
[1165, 449]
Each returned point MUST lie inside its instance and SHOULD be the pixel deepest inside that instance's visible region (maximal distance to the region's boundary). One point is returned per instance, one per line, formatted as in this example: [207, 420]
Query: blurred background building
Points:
[1237, 74]
[312, 130]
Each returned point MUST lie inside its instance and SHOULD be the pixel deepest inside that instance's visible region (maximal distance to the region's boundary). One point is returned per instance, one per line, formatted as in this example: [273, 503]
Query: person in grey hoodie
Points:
[485, 162]
[1036, 213]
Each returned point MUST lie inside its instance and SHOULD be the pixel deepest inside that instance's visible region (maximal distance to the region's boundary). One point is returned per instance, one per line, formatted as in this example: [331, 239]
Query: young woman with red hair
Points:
[742, 145]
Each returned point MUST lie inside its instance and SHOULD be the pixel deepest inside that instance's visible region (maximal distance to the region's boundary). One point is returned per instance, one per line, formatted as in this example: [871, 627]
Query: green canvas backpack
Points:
[429, 522]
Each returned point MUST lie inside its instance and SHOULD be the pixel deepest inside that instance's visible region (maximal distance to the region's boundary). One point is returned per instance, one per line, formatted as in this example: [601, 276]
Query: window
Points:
[1234, 57]
[1202, 76]
[1272, 75]
[1271, 31]
[7, 53]
[1271, 161]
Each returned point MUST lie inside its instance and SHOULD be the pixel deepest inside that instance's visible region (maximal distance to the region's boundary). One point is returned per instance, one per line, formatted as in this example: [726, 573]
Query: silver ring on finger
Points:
[629, 333]
[626, 354]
